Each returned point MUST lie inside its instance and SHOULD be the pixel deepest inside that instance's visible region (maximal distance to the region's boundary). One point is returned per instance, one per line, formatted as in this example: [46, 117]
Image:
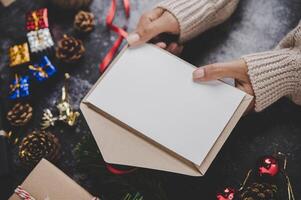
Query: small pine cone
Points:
[40, 145]
[259, 191]
[20, 114]
[84, 21]
[70, 49]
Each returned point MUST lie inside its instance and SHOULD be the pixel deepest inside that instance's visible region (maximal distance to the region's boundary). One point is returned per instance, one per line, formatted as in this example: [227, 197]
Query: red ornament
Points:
[269, 166]
[227, 194]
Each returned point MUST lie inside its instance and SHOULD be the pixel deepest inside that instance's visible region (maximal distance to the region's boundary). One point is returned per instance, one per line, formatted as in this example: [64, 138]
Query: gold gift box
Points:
[18, 54]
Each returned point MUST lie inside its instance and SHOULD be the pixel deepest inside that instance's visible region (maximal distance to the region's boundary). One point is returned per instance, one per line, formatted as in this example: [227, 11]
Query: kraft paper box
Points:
[121, 144]
[48, 182]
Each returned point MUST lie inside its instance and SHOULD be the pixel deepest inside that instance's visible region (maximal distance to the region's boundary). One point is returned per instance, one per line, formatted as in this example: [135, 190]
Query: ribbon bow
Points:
[43, 70]
[121, 33]
[19, 87]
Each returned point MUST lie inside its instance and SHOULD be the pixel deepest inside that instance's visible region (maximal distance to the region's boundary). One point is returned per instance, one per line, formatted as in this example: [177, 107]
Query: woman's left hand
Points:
[236, 69]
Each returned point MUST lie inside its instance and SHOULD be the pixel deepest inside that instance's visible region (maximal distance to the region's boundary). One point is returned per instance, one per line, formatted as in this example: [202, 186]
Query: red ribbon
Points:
[110, 55]
[121, 33]
[116, 171]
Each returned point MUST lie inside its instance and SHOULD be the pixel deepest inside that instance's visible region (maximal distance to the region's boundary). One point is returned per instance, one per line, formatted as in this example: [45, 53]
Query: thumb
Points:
[234, 69]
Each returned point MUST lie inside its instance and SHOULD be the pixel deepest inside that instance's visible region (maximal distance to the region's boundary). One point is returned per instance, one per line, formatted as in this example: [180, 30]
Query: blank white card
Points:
[153, 92]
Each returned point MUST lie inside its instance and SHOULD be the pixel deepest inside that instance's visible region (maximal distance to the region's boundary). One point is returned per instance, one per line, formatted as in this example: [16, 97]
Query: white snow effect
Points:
[261, 27]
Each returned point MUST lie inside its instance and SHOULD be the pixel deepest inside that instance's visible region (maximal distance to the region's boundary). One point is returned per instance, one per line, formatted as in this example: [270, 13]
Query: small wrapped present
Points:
[37, 19]
[42, 70]
[19, 87]
[48, 182]
[19, 54]
[40, 40]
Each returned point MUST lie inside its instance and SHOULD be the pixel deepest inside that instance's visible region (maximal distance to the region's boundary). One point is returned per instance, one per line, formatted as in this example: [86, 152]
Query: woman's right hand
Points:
[151, 25]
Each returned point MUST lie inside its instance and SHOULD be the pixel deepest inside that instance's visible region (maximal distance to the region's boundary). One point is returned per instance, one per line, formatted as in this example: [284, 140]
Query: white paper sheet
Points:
[153, 92]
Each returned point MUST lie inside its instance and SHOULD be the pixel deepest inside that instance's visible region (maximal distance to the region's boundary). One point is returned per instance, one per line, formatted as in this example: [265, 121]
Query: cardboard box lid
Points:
[47, 181]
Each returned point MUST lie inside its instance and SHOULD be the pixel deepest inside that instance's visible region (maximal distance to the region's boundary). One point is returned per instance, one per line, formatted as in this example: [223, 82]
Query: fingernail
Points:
[133, 38]
[199, 73]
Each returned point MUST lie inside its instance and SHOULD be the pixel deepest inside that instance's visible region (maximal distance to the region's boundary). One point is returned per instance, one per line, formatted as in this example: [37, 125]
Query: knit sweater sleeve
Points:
[196, 16]
[277, 73]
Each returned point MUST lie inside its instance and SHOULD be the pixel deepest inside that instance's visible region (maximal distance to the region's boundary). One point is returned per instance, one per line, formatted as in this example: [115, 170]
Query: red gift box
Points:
[37, 19]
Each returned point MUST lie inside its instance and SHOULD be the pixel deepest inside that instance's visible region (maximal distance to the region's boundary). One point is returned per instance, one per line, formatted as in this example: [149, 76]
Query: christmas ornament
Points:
[263, 188]
[71, 4]
[121, 33]
[66, 113]
[20, 114]
[40, 40]
[19, 87]
[43, 70]
[37, 19]
[268, 165]
[260, 191]
[38, 145]
[227, 194]
[18, 54]
[84, 21]
[69, 49]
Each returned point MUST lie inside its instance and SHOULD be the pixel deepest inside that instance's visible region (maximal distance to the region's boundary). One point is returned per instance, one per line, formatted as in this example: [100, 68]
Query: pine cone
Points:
[84, 21]
[70, 49]
[20, 114]
[36, 146]
[259, 191]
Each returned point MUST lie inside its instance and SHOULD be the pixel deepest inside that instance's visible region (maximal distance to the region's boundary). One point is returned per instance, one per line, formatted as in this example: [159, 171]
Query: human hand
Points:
[151, 25]
[236, 69]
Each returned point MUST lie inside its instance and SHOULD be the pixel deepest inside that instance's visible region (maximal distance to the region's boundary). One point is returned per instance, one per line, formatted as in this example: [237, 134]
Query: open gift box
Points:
[120, 86]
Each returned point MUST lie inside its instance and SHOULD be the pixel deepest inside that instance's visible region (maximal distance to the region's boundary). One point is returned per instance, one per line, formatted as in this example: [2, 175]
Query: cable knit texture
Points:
[196, 16]
[273, 74]
[277, 73]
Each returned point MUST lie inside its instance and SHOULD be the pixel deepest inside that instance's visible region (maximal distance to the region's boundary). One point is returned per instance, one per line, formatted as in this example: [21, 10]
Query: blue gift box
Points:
[19, 87]
[42, 70]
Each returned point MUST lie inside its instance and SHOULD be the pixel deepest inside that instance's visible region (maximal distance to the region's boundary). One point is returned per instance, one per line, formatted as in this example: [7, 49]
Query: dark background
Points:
[257, 25]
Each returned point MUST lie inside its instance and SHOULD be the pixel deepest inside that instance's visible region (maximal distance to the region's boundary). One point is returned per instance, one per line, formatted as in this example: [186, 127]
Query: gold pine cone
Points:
[84, 21]
[20, 114]
[70, 49]
[38, 145]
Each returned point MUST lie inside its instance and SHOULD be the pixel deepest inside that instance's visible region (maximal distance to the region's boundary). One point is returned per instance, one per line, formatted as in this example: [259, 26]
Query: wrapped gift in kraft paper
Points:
[48, 182]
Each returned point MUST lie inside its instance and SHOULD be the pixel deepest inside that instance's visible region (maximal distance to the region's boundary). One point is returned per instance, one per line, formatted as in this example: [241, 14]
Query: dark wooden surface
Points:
[257, 25]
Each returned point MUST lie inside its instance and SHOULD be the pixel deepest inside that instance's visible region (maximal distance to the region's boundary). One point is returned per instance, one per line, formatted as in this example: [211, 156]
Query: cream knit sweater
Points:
[273, 74]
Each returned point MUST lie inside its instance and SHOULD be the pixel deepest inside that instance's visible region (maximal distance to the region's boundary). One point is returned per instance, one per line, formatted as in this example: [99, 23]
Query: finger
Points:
[179, 50]
[172, 47]
[175, 48]
[234, 69]
[151, 30]
[165, 23]
[161, 45]
[144, 21]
